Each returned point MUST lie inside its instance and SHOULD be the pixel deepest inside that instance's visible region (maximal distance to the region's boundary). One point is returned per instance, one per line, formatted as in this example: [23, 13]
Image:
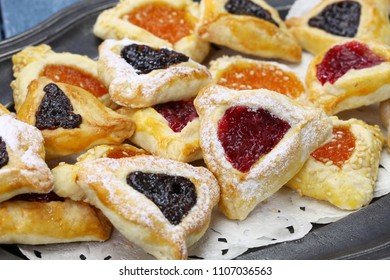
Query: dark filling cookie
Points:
[3, 153]
[173, 195]
[56, 110]
[146, 59]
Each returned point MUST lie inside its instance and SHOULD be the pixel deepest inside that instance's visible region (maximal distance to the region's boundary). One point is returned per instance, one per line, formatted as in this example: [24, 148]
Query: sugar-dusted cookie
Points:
[65, 174]
[240, 73]
[254, 141]
[71, 120]
[141, 75]
[74, 69]
[22, 159]
[349, 75]
[334, 21]
[169, 130]
[249, 26]
[169, 23]
[343, 171]
[162, 205]
[46, 218]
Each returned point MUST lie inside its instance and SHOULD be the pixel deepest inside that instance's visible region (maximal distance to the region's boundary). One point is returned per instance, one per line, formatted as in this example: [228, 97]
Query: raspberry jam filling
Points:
[55, 110]
[244, 76]
[342, 58]
[3, 153]
[38, 197]
[247, 134]
[339, 149]
[162, 20]
[177, 113]
[340, 18]
[76, 77]
[146, 59]
[173, 195]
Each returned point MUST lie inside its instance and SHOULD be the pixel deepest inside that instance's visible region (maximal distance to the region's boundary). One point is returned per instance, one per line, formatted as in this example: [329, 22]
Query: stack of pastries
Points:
[153, 135]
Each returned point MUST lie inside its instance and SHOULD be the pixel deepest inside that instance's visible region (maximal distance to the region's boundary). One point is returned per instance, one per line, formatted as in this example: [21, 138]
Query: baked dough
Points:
[242, 191]
[385, 118]
[114, 24]
[23, 168]
[373, 25]
[34, 222]
[248, 34]
[348, 185]
[355, 88]
[137, 217]
[241, 73]
[153, 134]
[33, 61]
[180, 81]
[65, 174]
[4, 110]
[99, 124]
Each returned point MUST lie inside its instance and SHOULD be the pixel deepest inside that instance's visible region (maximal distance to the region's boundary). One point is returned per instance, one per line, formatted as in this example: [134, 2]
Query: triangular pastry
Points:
[334, 21]
[141, 75]
[343, 171]
[169, 130]
[71, 119]
[254, 141]
[349, 75]
[37, 61]
[159, 204]
[159, 22]
[251, 27]
[22, 159]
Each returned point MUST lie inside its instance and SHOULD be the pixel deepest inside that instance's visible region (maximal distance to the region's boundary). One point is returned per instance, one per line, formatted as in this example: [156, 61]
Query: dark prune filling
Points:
[247, 134]
[177, 113]
[173, 195]
[38, 197]
[341, 19]
[248, 8]
[342, 58]
[146, 59]
[3, 153]
[56, 110]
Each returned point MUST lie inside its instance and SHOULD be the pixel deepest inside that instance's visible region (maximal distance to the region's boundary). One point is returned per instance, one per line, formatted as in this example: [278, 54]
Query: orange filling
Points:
[124, 153]
[76, 77]
[339, 149]
[162, 20]
[245, 76]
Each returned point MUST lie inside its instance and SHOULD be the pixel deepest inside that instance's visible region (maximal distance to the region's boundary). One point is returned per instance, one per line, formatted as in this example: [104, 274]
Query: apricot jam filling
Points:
[339, 149]
[177, 113]
[248, 134]
[123, 153]
[76, 77]
[342, 58]
[162, 20]
[243, 76]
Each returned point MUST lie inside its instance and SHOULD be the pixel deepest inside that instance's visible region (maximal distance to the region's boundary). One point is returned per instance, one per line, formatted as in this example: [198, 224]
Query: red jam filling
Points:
[177, 113]
[342, 58]
[339, 149]
[247, 134]
[76, 77]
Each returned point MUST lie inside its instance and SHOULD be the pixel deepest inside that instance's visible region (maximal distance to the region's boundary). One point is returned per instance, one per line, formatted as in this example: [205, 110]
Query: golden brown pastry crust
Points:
[110, 24]
[177, 82]
[153, 134]
[25, 222]
[241, 192]
[26, 170]
[374, 25]
[65, 174]
[350, 186]
[29, 63]
[137, 217]
[355, 88]
[4, 110]
[248, 34]
[100, 125]
[385, 118]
